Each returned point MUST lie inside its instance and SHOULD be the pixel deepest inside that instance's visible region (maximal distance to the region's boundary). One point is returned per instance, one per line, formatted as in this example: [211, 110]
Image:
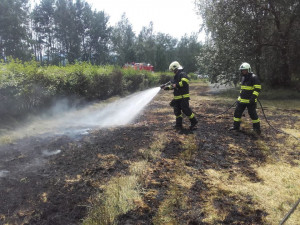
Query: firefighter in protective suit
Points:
[250, 89]
[180, 103]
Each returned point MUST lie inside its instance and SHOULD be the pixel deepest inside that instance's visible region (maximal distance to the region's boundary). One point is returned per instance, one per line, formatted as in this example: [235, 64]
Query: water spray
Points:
[98, 115]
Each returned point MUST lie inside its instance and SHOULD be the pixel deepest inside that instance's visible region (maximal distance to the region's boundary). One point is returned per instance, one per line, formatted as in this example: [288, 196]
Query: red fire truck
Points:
[139, 66]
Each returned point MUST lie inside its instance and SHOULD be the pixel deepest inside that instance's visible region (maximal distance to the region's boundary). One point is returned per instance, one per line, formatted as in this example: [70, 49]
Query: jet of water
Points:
[97, 115]
[120, 112]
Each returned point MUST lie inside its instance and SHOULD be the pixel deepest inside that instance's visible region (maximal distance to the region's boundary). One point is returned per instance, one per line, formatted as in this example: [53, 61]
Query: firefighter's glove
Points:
[166, 88]
[172, 103]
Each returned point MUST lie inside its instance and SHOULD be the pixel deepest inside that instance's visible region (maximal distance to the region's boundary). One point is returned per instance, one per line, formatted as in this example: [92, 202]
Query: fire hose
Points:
[165, 85]
[280, 131]
[298, 202]
[290, 212]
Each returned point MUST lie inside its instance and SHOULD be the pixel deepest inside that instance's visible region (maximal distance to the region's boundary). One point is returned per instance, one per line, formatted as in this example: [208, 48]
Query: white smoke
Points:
[80, 121]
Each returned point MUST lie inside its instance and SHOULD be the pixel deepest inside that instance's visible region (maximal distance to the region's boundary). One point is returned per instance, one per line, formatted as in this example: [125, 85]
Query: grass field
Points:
[209, 176]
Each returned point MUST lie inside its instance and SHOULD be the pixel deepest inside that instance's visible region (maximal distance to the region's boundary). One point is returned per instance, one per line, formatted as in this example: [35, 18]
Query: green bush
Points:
[28, 87]
[165, 77]
[193, 76]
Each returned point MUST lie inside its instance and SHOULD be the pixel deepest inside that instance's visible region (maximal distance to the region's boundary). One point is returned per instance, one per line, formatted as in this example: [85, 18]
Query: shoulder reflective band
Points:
[258, 86]
[185, 80]
[247, 88]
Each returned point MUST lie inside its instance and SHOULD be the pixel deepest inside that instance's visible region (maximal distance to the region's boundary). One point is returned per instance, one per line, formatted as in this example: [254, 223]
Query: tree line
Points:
[56, 32]
[264, 33]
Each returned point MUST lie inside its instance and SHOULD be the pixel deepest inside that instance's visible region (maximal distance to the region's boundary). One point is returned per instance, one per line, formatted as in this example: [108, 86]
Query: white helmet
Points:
[245, 66]
[175, 66]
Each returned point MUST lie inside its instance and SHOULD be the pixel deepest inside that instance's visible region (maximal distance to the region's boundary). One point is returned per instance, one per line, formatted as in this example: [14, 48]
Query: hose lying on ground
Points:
[290, 212]
[280, 131]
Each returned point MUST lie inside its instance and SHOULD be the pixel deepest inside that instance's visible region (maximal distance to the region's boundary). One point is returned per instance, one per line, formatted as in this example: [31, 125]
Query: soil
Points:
[51, 180]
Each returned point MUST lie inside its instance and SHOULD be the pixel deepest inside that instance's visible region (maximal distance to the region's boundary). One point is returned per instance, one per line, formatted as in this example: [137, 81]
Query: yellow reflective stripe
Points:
[258, 86]
[255, 93]
[192, 116]
[256, 121]
[243, 100]
[183, 80]
[178, 116]
[186, 80]
[182, 96]
[247, 88]
[237, 119]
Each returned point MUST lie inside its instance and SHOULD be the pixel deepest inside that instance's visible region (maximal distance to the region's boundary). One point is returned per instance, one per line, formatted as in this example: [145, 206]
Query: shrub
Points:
[28, 87]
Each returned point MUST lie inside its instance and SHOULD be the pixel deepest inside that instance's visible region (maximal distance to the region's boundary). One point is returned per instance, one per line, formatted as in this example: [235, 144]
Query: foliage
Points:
[61, 32]
[165, 77]
[123, 39]
[262, 33]
[13, 24]
[28, 87]
[193, 76]
[187, 50]
[165, 51]
[145, 47]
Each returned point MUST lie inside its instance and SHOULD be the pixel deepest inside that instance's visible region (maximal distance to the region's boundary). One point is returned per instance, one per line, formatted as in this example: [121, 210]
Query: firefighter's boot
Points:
[256, 128]
[193, 123]
[178, 124]
[236, 126]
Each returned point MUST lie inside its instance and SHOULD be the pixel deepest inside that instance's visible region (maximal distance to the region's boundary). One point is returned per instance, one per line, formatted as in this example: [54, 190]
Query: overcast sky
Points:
[174, 17]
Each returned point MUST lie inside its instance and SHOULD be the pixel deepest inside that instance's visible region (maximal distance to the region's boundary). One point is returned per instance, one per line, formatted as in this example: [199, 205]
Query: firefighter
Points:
[250, 88]
[180, 102]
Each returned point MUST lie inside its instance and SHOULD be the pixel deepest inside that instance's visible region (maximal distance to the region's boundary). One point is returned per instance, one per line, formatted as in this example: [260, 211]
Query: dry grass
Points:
[6, 139]
[276, 194]
[121, 195]
[117, 199]
[190, 145]
[158, 144]
[181, 181]
[175, 199]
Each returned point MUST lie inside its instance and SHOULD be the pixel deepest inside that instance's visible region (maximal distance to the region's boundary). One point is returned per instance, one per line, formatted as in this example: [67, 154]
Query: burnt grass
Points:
[58, 189]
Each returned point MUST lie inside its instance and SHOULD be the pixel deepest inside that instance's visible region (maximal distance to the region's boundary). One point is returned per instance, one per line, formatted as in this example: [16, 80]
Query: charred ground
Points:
[180, 183]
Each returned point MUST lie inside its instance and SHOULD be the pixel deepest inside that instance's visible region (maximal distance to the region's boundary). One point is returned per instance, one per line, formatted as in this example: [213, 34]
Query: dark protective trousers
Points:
[252, 113]
[182, 105]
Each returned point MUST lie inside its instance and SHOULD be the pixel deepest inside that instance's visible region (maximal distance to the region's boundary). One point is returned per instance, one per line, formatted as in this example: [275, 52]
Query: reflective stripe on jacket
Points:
[182, 85]
[250, 88]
